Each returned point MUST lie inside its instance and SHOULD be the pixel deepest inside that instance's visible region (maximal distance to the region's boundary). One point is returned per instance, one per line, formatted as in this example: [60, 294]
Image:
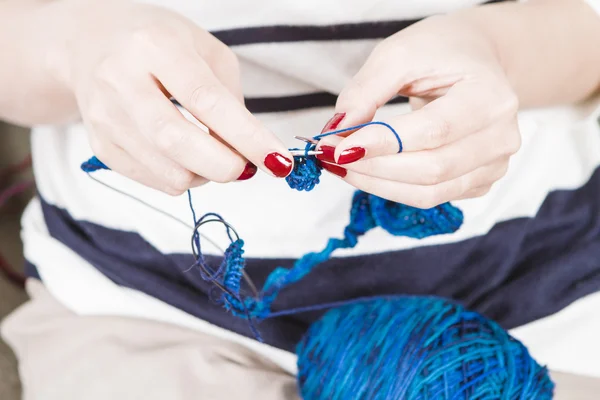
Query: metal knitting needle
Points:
[306, 140]
[300, 153]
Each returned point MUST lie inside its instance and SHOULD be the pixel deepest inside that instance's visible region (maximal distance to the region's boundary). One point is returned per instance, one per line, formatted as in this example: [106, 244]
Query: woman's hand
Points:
[458, 140]
[124, 64]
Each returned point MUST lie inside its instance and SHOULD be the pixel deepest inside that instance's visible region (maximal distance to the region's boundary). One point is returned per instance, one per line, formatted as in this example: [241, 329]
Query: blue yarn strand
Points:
[353, 128]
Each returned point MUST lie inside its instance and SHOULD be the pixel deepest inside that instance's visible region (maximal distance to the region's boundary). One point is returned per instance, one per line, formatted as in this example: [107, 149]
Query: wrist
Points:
[547, 48]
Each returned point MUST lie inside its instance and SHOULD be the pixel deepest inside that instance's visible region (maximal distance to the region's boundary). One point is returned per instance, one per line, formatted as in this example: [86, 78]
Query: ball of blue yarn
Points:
[415, 348]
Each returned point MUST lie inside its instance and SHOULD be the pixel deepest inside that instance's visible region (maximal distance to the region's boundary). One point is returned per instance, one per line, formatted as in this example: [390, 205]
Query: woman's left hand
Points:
[459, 137]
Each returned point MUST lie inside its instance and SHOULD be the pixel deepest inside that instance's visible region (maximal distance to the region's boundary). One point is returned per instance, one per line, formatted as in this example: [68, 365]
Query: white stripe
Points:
[342, 61]
[241, 13]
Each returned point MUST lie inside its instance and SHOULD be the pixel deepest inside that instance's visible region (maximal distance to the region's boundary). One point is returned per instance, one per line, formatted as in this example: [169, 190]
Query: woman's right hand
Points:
[124, 64]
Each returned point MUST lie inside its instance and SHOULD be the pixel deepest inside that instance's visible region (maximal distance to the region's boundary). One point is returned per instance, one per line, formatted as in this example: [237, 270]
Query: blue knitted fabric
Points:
[305, 175]
[415, 348]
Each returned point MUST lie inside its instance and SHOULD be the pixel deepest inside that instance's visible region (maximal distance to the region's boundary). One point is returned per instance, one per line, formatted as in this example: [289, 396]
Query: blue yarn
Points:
[305, 175]
[355, 127]
[415, 348]
[367, 212]
[93, 164]
[394, 347]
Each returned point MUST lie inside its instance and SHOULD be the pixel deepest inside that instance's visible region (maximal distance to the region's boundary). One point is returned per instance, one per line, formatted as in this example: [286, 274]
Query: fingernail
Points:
[249, 172]
[334, 169]
[328, 154]
[279, 165]
[334, 122]
[351, 155]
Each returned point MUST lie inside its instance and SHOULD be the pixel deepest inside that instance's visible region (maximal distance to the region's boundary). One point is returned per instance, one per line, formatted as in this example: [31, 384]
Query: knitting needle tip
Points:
[301, 153]
[306, 140]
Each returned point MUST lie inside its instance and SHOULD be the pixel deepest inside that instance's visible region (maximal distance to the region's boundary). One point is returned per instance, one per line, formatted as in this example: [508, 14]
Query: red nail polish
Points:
[334, 122]
[279, 165]
[351, 155]
[328, 154]
[334, 169]
[249, 172]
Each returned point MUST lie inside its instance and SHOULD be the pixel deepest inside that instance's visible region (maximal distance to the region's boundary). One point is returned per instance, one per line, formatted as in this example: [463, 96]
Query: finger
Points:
[180, 140]
[477, 192]
[327, 146]
[201, 93]
[225, 66]
[125, 164]
[431, 167]
[374, 85]
[110, 127]
[466, 108]
[423, 196]
[221, 60]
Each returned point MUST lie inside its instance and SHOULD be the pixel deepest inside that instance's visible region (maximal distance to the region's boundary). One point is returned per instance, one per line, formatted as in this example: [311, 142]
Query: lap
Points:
[67, 357]
[64, 356]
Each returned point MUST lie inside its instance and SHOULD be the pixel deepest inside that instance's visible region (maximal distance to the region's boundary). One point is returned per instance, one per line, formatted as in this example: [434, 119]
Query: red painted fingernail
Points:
[327, 155]
[279, 165]
[334, 122]
[249, 172]
[334, 169]
[351, 155]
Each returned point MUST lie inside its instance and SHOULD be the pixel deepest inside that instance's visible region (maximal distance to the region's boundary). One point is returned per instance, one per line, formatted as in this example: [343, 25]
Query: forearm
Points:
[32, 89]
[550, 49]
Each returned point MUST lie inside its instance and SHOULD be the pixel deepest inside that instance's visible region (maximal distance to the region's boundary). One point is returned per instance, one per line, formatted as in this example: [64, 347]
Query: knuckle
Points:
[439, 132]
[99, 147]
[510, 105]
[156, 34]
[180, 180]
[513, 144]
[205, 98]
[225, 56]
[229, 172]
[171, 191]
[426, 200]
[436, 172]
[168, 141]
[482, 191]
[107, 72]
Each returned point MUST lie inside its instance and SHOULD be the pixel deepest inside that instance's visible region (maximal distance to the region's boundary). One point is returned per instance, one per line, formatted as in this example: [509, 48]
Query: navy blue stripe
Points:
[522, 270]
[31, 271]
[258, 105]
[304, 33]
[298, 102]
[295, 102]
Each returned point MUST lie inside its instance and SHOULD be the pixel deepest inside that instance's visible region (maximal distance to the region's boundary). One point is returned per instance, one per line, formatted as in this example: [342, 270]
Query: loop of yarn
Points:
[415, 348]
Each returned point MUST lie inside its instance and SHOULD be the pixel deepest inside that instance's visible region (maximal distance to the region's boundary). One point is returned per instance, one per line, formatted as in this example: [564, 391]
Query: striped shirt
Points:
[527, 255]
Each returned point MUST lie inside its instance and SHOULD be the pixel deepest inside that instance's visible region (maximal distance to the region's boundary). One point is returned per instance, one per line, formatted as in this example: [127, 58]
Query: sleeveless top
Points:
[528, 254]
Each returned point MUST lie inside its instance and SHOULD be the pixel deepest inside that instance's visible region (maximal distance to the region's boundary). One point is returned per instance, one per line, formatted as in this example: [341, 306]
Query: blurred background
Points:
[14, 148]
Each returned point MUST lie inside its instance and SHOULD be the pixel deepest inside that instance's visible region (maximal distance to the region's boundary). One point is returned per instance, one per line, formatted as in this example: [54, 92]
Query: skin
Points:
[112, 67]
[114, 64]
[479, 68]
